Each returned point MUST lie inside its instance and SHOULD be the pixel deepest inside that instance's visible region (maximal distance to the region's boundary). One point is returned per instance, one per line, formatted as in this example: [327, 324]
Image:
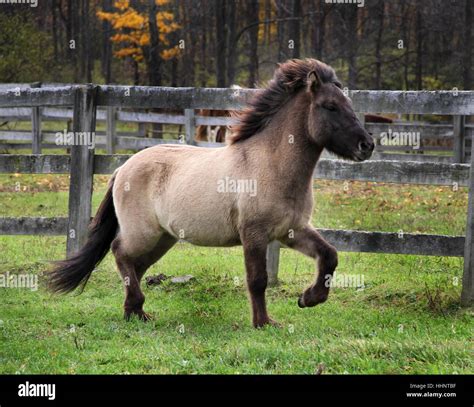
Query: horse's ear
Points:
[313, 81]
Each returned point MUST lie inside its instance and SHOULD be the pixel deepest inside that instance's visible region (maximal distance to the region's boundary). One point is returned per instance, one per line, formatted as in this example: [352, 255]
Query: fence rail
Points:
[456, 137]
[82, 163]
[410, 172]
[115, 97]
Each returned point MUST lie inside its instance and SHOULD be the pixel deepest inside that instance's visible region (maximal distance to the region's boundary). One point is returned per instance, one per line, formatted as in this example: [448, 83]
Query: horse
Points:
[214, 134]
[274, 147]
[375, 118]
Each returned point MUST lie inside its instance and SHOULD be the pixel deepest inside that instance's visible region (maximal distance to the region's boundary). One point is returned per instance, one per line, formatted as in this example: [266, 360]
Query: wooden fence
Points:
[451, 141]
[82, 163]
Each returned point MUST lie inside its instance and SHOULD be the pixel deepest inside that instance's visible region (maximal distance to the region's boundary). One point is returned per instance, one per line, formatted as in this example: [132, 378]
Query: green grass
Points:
[407, 319]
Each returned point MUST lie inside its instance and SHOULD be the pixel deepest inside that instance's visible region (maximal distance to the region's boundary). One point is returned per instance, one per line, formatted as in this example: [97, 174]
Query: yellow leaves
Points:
[170, 53]
[132, 30]
[164, 22]
[135, 38]
[161, 16]
[127, 52]
[102, 15]
[131, 19]
[121, 38]
[144, 39]
[122, 4]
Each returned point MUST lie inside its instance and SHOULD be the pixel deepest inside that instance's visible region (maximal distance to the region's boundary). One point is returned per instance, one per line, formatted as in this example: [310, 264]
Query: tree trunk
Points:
[54, 28]
[74, 41]
[203, 58]
[252, 17]
[88, 46]
[231, 25]
[106, 45]
[81, 34]
[221, 41]
[467, 51]
[267, 27]
[352, 44]
[378, 45]
[419, 50]
[405, 27]
[154, 58]
[282, 13]
[295, 25]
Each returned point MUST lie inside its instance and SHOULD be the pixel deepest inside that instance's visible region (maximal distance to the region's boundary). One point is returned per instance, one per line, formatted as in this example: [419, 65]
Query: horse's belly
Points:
[200, 226]
[203, 233]
[213, 241]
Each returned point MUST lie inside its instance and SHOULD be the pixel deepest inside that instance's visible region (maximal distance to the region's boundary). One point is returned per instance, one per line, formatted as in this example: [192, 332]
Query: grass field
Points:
[405, 319]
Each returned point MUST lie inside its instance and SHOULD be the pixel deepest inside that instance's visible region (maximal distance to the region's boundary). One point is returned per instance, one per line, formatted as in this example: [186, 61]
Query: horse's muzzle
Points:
[301, 301]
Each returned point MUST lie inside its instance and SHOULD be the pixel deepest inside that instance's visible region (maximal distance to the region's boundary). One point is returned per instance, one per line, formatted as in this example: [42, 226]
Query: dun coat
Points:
[169, 192]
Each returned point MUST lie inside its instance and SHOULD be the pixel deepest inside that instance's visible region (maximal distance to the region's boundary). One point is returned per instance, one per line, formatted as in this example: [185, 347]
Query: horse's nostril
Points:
[363, 146]
[366, 146]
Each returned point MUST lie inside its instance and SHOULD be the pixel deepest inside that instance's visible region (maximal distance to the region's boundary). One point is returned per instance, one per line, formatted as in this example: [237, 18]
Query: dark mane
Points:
[289, 78]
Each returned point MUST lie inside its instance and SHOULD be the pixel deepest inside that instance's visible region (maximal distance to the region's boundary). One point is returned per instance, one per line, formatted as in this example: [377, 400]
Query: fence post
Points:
[189, 125]
[467, 293]
[111, 113]
[273, 262]
[36, 125]
[141, 130]
[82, 163]
[458, 135]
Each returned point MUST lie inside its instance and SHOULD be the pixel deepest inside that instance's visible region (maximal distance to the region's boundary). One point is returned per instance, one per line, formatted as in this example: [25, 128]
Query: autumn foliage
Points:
[132, 30]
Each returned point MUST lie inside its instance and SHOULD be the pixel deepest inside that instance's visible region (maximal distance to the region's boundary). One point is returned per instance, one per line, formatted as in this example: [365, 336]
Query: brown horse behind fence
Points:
[255, 190]
[216, 134]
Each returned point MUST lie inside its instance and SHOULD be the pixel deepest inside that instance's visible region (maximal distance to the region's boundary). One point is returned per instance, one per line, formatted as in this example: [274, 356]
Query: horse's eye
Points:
[331, 108]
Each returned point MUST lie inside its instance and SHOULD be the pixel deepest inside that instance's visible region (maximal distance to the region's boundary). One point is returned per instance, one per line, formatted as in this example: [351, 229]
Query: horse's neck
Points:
[287, 137]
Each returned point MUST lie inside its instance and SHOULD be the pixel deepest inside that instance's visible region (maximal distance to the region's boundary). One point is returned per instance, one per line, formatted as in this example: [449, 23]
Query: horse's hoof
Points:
[312, 299]
[145, 317]
[274, 323]
[141, 315]
[269, 321]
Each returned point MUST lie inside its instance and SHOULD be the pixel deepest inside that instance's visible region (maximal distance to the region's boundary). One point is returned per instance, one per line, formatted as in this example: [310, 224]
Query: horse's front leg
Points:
[255, 264]
[308, 241]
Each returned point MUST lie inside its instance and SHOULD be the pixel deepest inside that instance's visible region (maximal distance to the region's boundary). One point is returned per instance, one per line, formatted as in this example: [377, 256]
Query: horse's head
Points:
[332, 122]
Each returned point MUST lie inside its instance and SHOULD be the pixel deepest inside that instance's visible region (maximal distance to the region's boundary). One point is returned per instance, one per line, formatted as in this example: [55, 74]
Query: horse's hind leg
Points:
[308, 241]
[133, 267]
[165, 242]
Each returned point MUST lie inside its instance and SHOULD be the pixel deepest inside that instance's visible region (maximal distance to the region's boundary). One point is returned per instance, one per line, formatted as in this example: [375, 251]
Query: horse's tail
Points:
[75, 271]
